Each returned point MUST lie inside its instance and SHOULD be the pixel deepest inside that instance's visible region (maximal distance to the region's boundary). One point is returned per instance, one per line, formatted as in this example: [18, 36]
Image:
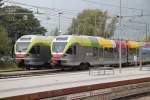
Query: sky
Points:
[136, 14]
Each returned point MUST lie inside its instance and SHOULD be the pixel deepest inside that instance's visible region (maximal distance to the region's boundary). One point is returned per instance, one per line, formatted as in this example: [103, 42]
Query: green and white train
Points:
[81, 51]
[85, 51]
[33, 51]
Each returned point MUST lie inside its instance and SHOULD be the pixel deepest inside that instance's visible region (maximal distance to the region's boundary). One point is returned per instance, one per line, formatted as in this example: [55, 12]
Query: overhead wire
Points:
[74, 12]
[117, 6]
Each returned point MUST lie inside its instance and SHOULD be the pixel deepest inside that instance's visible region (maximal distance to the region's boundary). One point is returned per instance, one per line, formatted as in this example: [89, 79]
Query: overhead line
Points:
[47, 8]
[111, 5]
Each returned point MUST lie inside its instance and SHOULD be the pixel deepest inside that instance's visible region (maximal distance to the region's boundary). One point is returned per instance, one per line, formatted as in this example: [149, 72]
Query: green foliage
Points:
[55, 32]
[147, 38]
[1, 4]
[8, 66]
[20, 21]
[4, 41]
[93, 22]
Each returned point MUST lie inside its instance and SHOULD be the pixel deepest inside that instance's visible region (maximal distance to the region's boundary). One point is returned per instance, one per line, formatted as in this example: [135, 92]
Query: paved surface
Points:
[26, 85]
[145, 96]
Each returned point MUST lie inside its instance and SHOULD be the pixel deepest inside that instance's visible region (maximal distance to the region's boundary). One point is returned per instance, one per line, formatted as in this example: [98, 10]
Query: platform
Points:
[43, 85]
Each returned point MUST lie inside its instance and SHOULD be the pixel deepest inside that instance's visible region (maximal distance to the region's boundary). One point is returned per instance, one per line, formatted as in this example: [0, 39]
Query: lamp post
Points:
[146, 32]
[59, 21]
[120, 64]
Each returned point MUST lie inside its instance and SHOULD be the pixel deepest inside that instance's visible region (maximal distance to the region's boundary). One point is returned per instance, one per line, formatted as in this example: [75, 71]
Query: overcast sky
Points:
[70, 8]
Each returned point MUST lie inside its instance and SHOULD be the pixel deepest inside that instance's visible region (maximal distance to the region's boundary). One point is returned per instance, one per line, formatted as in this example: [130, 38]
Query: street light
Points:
[59, 21]
[120, 64]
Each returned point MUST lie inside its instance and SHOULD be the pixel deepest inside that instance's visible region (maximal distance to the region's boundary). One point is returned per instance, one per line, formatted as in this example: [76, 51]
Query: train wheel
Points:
[84, 66]
[28, 67]
[21, 64]
[88, 65]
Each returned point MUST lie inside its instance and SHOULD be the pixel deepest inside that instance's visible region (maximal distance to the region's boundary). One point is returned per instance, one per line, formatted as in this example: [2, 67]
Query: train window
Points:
[32, 51]
[58, 46]
[62, 38]
[108, 52]
[123, 51]
[115, 52]
[95, 51]
[100, 52]
[74, 49]
[35, 50]
[69, 51]
[21, 46]
[25, 39]
[131, 51]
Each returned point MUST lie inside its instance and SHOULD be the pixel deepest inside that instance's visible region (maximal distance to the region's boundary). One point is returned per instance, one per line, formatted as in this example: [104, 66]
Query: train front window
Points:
[22, 46]
[58, 47]
[35, 50]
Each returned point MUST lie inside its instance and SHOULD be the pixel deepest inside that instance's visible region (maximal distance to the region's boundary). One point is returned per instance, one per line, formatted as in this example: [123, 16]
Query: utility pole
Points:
[59, 21]
[146, 33]
[120, 62]
[95, 25]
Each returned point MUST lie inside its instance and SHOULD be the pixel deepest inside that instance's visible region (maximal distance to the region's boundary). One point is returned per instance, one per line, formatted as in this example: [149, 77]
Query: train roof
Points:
[87, 40]
[36, 39]
[95, 41]
[147, 44]
[134, 44]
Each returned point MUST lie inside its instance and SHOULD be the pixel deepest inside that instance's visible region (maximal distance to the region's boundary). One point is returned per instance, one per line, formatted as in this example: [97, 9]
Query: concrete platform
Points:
[40, 84]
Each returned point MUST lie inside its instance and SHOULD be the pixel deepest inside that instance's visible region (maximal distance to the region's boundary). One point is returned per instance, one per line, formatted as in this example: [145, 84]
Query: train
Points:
[83, 51]
[79, 52]
[33, 51]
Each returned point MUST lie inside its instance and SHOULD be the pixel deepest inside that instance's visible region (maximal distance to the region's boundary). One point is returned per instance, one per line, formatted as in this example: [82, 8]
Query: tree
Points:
[147, 38]
[1, 4]
[55, 32]
[93, 22]
[20, 21]
[4, 41]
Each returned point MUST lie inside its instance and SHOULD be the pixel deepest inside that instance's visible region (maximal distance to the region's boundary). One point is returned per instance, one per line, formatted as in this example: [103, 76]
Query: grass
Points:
[8, 66]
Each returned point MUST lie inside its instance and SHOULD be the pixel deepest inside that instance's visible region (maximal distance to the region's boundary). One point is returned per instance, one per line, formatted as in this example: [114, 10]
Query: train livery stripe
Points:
[121, 43]
[147, 44]
[133, 44]
[85, 41]
[94, 41]
[105, 43]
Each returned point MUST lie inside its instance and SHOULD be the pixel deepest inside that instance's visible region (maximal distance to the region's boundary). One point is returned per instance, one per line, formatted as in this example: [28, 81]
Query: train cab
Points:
[32, 51]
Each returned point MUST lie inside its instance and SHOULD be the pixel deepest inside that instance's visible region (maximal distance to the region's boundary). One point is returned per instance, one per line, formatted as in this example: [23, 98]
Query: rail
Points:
[99, 69]
[19, 74]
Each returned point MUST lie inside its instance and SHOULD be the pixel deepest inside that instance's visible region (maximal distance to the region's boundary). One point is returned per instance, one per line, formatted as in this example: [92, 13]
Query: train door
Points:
[100, 56]
[123, 55]
[45, 54]
[95, 57]
[34, 56]
[84, 54]
[72, 55]
[145, 54]
[108, 57]
[133, 54]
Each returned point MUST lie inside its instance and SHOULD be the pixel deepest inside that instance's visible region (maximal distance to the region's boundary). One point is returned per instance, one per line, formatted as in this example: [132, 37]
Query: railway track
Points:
[18, 74]
[29, 73]
[143, 96]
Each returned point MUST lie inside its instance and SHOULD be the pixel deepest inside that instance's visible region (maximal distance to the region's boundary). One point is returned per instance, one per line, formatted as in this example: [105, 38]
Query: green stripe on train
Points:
[83, 41]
